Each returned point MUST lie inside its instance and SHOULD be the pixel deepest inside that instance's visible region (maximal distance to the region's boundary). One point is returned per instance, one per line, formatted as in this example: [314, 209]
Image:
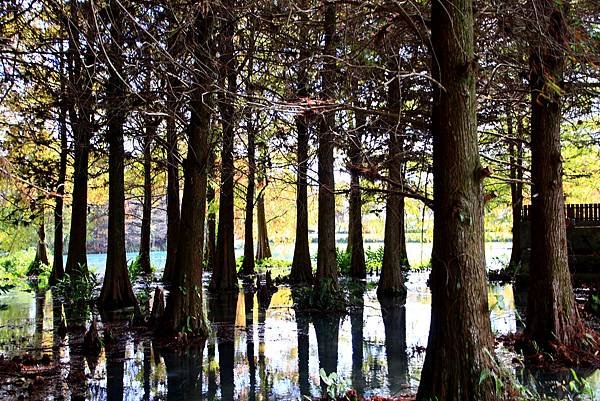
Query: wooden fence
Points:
[579, 213]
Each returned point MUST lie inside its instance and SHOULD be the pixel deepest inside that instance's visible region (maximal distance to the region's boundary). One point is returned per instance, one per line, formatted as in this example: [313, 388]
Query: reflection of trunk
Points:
[326, 279]
[184, 371]
[355, 237]
[40, 301]
[212, 377]
[327, 329]
[58, 269]
[248, 263]
[302, 329]
[249, 307]
[460, 346]
[516, 188]
[75, 317]
[394, 321]
[116, 289]
[115, 369]
[224, 275]
[147, 211]
[184, 309]
[357, 324]
[264, 300]
[147, 369]
[391, 282]
[551, 310]
[223, 309]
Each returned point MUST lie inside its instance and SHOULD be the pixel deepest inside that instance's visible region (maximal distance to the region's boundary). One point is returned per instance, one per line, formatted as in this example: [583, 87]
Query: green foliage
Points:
[78, 289]
[343, 259]
[579, 386]
[374, 259]
[135, 269]
[336, 386]
[594, 304]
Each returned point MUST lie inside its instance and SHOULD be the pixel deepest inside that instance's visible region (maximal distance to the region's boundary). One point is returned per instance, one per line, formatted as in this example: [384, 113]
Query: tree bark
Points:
[41, 254]
[58, 269]
[460, 347]
[516, 189]
[248, 263]
[358, 268]
[551, 311]
[81, 119]
[263, 249]
[116, 290]
[301, 272]
[391, 281]
[224, 275]
[184, 309]
[144, 255]
[211, 223]
[326, 278]
[173, 201]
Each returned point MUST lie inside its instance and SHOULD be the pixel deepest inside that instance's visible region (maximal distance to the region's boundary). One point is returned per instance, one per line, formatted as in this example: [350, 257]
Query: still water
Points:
[260, 348]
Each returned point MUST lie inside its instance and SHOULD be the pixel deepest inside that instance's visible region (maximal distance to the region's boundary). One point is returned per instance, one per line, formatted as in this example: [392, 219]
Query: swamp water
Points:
[259, 349]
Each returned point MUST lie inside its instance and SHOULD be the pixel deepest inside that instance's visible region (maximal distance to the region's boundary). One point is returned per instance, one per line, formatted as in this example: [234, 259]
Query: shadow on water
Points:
[262, 346]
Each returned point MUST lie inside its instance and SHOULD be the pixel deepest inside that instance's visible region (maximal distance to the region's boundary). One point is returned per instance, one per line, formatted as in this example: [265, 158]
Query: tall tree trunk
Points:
[144, 256]
[301, 272]
[263, 249]
[224, 275]
[58, 269]
[184, 309]
[248, 263]
[551, 311]
[326, 279]
[355, 238]
[211, 223]
[301, 265]
[41, 254]
[460, 347]
[173, 203]
[516, 188]
[116, 290]
[391, 282]
[81, 119]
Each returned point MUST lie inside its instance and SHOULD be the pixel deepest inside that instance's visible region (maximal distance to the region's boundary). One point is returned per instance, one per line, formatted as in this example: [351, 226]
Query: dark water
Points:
[259, 349]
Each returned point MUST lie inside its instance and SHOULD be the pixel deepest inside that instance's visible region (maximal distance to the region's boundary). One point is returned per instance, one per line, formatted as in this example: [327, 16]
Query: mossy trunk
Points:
[184, 309]
[116, 290]
[326, 278]
[552, 315]
[144, 255]
[460, 346]
[358, 268]
[224, 276]
[58, 269]
[248, 262]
